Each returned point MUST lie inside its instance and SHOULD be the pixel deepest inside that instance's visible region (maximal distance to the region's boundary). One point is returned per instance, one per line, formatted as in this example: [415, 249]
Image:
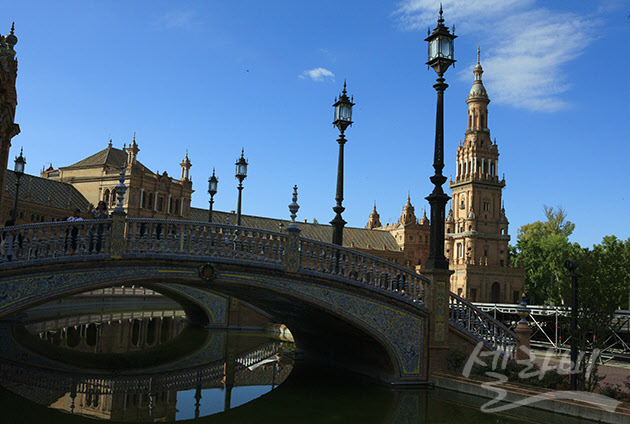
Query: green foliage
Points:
[542, 248]
[613, 391]
[529, 374]
[603, 280]
[456, 359]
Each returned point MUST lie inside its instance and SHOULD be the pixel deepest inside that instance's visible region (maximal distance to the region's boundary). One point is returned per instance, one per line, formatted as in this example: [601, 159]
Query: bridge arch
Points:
[368, 330]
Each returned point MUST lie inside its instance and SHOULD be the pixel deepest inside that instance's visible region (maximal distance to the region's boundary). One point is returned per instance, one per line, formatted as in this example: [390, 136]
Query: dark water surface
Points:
[150, 367]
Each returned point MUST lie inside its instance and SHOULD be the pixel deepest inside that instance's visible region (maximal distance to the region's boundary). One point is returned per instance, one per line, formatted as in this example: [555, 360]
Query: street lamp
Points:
[213, 181]
[440, 58]
[20, 161]
[343, 119]
[241, 174]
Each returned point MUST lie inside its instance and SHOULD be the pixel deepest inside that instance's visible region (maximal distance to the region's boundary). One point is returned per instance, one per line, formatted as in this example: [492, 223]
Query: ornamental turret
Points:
[186, 164]
[374, 221]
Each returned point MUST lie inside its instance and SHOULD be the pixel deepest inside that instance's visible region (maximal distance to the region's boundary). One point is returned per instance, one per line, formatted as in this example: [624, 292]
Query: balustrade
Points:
[494, 334]
[362, 268]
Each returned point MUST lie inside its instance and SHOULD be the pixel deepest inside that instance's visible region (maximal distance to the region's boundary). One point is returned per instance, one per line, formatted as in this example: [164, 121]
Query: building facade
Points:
[149, 194]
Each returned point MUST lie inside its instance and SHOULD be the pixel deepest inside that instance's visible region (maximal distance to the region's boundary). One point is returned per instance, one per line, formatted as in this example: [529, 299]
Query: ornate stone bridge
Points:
[368, 314]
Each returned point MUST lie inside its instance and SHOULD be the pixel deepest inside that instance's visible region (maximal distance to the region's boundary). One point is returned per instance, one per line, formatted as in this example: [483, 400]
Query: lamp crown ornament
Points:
[20, 161]
[441, 54]
[241, 167]
[343, 110]
[213, 182]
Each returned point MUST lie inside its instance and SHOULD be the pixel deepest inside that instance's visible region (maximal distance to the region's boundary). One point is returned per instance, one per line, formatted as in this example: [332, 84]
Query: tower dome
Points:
[478, 90]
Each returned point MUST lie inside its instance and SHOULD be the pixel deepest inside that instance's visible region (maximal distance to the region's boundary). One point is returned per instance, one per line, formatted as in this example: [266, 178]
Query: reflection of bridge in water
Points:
[337, 302]
[222, 363]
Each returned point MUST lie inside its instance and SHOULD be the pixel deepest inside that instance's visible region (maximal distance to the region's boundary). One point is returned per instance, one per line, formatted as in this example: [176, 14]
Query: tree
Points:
[603, 282]
[542, 247]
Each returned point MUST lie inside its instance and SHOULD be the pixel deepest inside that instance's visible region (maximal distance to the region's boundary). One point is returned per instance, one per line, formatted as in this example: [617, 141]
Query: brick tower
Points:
[8, 103]
[476, 226]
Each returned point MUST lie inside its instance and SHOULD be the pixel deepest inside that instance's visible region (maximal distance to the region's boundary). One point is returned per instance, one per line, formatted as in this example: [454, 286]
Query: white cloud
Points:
[525, 49]
[175, 19]
[318, 74]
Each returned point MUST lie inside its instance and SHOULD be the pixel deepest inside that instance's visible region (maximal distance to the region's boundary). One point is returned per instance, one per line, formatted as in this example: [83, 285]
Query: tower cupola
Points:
[408, 216]
[375, 219]
[186, 164]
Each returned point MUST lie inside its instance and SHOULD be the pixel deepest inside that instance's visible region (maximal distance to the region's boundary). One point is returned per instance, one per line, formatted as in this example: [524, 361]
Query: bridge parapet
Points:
[157, 238]
[330, 259]
[208, 240]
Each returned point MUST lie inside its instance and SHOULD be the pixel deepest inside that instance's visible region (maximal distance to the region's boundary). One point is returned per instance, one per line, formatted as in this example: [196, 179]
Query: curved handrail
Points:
[330, 259]
[466, 316]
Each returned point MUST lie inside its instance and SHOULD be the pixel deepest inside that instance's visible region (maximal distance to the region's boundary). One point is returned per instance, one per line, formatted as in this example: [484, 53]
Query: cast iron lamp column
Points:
[20, 161]
[241, 174]
[343, 119]
[213, 181]
[440, 58]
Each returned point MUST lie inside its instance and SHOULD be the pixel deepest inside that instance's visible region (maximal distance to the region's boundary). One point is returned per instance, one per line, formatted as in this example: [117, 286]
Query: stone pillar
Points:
[437, 301]
[292, 251]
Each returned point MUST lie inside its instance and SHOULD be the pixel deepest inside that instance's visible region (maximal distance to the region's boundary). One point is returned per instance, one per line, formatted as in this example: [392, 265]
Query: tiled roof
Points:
[360, 238]
[46, 192]
[111, 156]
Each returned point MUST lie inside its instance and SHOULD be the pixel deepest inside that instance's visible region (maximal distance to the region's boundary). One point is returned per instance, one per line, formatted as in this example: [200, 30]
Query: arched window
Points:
[106, 197]
[495, 292]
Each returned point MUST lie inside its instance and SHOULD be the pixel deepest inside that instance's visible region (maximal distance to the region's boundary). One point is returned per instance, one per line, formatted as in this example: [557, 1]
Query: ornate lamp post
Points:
[241, 174]
[440, 58]
[213, 181]
[343, 119]
[20, 161]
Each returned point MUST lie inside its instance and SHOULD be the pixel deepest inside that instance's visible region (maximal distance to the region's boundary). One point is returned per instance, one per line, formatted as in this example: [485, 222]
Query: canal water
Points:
[62, 365]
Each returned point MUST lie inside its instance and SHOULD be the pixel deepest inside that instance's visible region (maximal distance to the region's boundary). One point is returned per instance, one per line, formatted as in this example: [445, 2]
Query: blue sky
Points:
[212, 77]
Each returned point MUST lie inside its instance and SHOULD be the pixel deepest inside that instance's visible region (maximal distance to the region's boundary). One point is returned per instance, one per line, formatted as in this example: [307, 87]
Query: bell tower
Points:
[476, 226]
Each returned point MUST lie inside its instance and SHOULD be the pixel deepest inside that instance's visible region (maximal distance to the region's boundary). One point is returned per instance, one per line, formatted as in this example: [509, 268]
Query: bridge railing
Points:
[466, 316]
[330, 259]
[164, 237]
[54, 240]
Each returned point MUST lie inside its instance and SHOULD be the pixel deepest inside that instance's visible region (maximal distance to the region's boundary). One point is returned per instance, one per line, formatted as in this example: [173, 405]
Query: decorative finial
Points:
[375, 206]
[478, 54]
[121, 189]
[12, 28]
[344, 86]
[110, 142]
[293, 208]
[441, 19]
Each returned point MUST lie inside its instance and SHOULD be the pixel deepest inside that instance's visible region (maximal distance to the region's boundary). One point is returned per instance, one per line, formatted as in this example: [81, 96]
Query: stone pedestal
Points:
[437, 301]
[522, 346]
